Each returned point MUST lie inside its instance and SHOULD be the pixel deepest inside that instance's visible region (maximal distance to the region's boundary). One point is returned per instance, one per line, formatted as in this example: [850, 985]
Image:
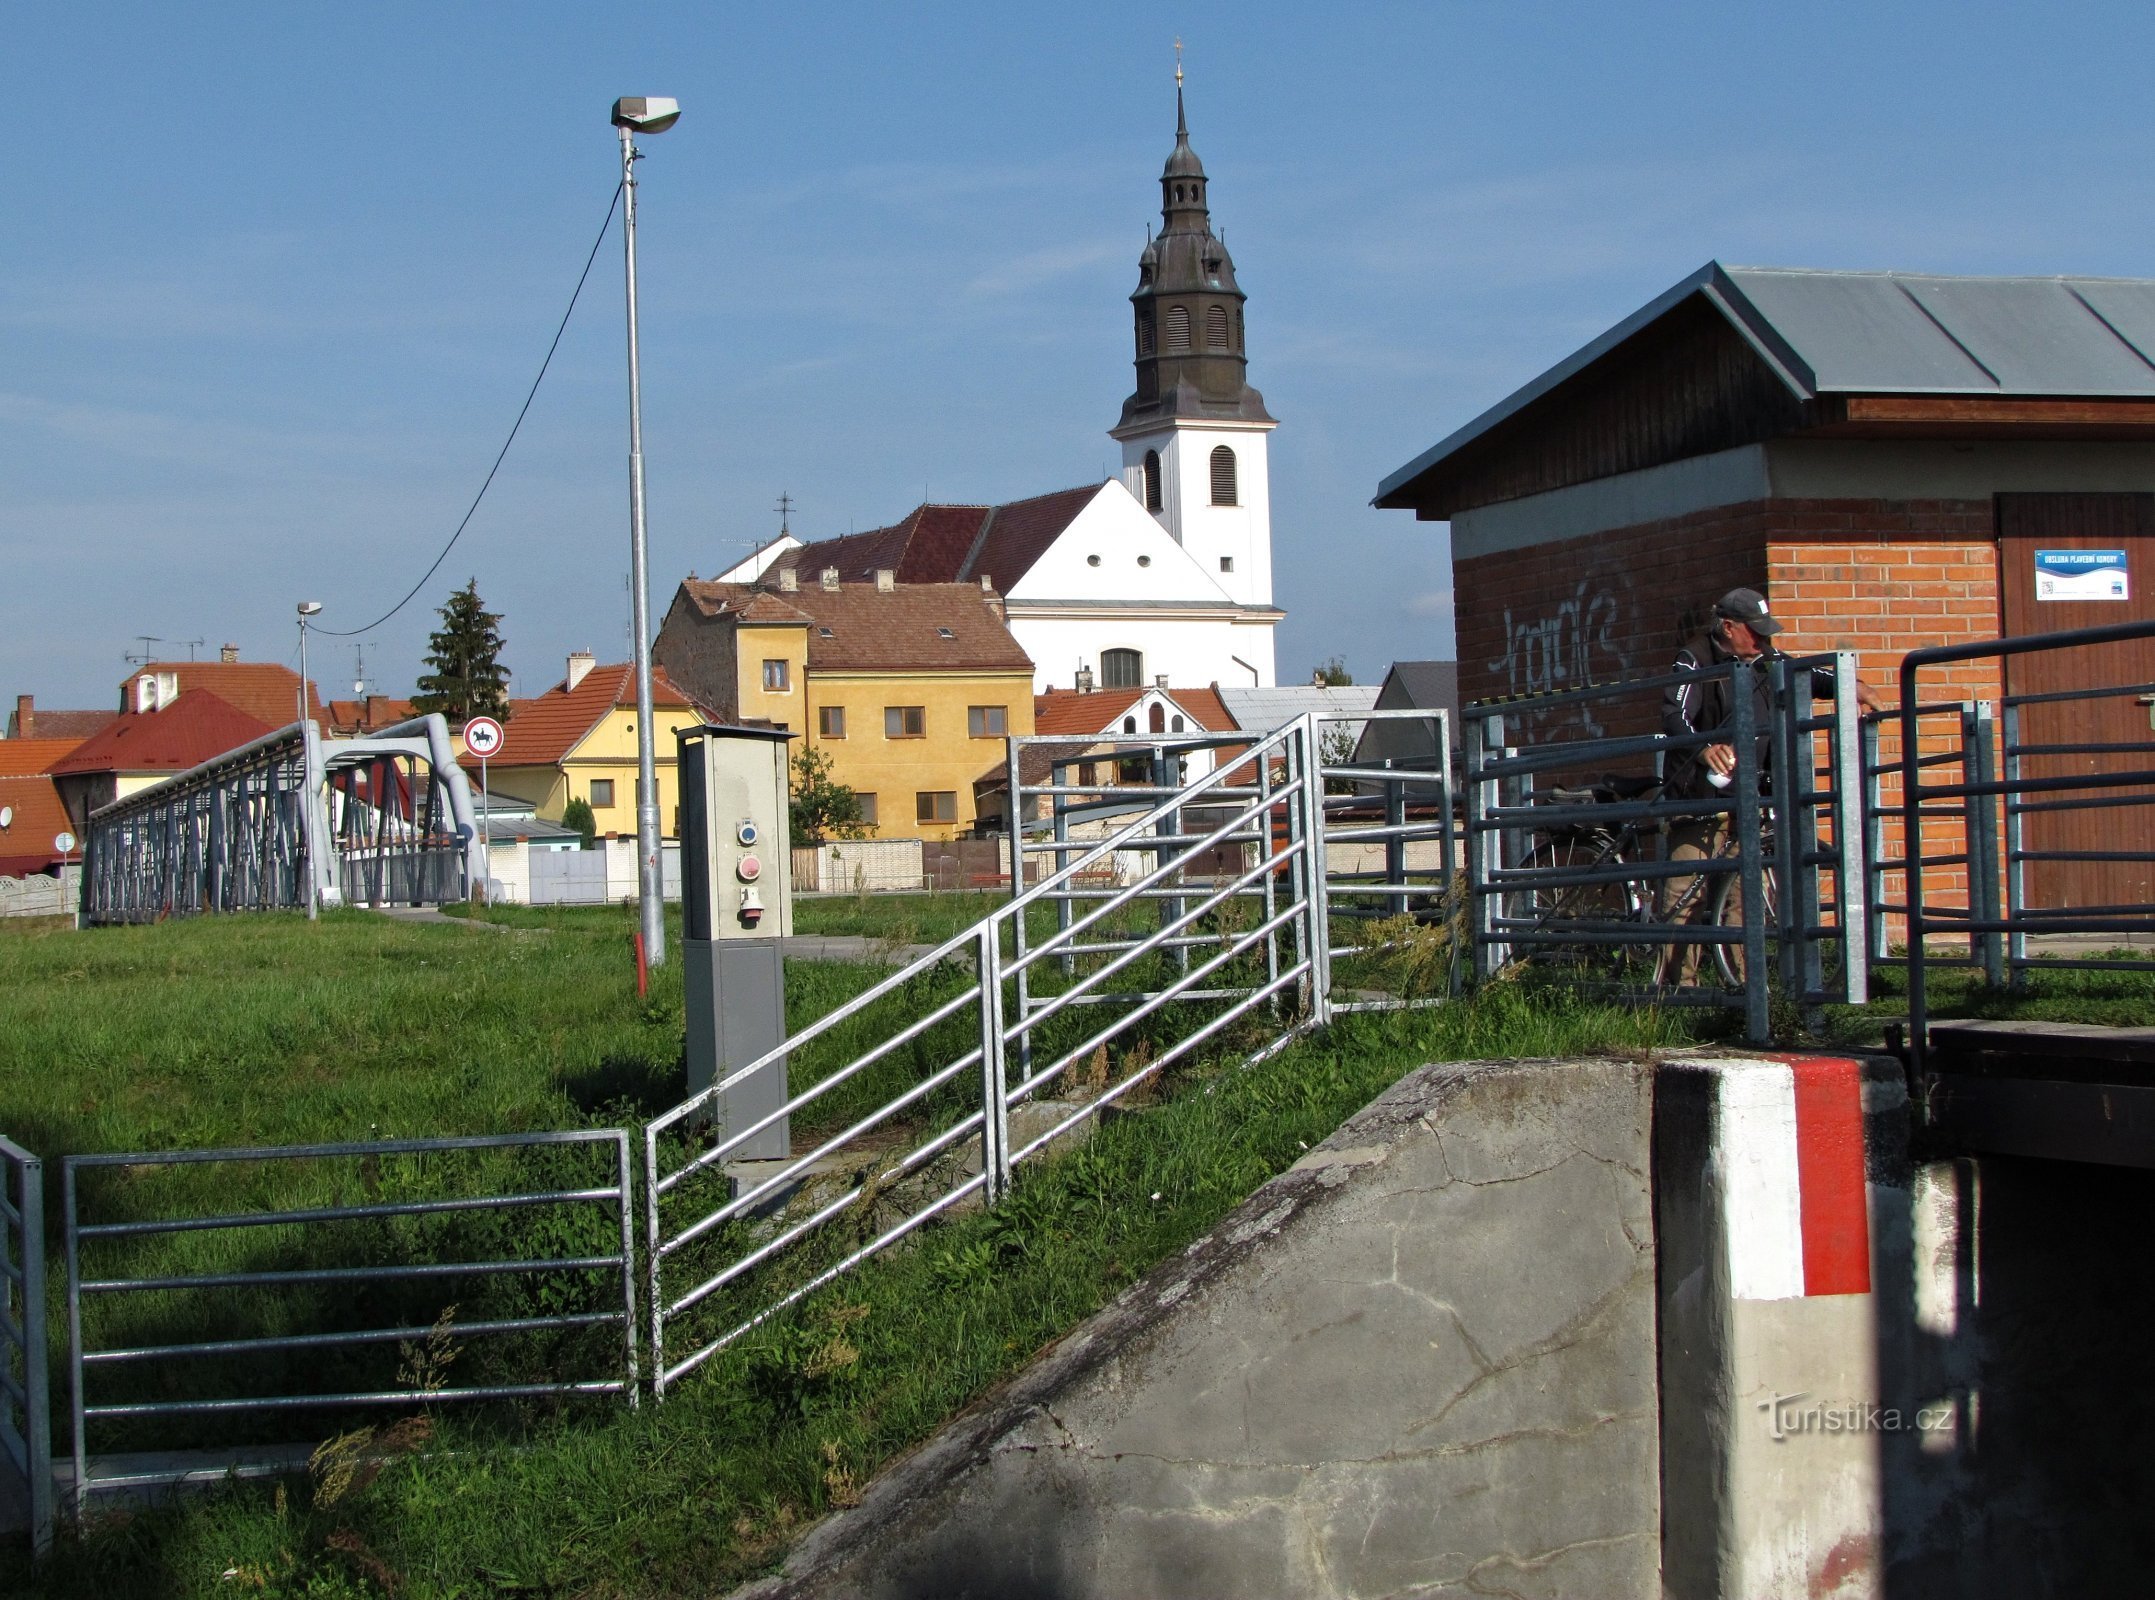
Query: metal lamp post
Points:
[633, 115]
[307, 608]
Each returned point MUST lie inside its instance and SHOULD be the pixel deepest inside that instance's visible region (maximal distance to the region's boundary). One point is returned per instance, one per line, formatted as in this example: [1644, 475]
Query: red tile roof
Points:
[1101, 712]
[39, 818]
[265, 690]
[348, 717]
[947, 543]
[21, 758]
[870, 630]
[186, 733]
[75, 725]
[543, 729]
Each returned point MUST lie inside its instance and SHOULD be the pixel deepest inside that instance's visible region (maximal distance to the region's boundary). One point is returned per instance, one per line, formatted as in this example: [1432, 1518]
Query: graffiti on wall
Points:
[1581, 642]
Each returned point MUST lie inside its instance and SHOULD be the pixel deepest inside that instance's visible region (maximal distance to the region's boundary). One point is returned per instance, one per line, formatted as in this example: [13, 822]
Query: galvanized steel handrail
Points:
[1004, 1031]
[83, 1359]
[25, 1408]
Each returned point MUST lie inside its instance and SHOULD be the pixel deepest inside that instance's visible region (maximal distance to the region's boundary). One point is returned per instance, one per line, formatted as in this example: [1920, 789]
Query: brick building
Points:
[1882, 453]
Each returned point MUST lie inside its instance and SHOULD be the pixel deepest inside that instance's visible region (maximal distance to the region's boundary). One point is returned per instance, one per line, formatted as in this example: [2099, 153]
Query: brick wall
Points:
[1877, 577]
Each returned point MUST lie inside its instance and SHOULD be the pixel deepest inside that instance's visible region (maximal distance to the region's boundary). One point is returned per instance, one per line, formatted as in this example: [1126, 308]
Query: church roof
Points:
[946, 543]
[914, 627]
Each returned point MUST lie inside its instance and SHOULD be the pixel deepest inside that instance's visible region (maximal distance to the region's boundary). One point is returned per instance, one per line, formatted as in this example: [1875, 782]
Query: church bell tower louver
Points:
[1194, 433]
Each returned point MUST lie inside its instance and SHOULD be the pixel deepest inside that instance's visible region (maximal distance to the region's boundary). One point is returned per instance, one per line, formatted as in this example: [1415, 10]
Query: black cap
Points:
[1748, 607]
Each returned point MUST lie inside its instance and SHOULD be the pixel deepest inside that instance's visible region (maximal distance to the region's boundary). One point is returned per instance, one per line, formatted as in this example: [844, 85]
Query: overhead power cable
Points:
[612, 206]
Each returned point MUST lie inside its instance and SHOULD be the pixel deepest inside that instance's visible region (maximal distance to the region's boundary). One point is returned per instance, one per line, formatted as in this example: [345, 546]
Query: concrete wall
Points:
[1421, 1361]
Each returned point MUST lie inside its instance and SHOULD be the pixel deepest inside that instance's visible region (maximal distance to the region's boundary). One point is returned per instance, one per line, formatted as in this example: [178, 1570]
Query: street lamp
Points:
[633, 115]
[307, 608]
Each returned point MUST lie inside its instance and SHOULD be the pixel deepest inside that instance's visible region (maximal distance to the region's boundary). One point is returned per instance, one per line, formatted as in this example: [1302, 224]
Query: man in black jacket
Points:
[1742, 630]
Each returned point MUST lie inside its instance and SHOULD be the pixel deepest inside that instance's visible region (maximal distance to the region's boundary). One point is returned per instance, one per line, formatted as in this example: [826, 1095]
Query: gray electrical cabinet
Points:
[736, 904]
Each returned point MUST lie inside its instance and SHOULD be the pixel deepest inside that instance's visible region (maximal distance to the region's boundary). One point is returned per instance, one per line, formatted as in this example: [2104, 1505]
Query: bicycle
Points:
[1591, 908]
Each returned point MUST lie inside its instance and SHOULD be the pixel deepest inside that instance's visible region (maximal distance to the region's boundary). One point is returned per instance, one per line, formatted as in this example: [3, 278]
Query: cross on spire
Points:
[784, 508]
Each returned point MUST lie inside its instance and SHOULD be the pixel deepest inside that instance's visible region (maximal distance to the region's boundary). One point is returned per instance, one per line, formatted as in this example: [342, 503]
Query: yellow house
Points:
[908, 688]
[577, 741]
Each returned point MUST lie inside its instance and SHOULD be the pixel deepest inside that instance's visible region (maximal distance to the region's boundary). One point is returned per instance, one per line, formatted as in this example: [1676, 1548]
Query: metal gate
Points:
[568, 877]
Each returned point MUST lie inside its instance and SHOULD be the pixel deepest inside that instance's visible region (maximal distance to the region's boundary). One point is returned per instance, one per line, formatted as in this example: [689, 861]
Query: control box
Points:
[736, 905]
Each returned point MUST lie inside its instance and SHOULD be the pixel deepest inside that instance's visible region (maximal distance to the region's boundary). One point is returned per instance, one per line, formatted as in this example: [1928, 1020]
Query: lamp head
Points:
[646, 113]
[310, 608]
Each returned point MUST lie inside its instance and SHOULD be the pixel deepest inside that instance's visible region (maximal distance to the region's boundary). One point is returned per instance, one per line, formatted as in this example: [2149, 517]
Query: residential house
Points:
[909, 688]
[578, 741]
[32, 815]
[159, 740]
[368, 714]
[1091, 719]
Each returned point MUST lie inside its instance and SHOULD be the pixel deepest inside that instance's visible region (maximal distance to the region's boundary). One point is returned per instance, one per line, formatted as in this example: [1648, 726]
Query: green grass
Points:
[894, 919]
[265, 1030]
[690, 1496]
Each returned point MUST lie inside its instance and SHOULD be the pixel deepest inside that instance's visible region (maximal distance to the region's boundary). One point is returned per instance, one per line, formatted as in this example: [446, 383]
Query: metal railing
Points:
[2011, 785]
[943, 1108]
[25, 1415]
[1579, 873]
[391, 1248]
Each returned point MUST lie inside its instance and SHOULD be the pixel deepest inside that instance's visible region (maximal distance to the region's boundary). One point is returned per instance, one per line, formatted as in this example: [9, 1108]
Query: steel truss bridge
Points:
[291, 822]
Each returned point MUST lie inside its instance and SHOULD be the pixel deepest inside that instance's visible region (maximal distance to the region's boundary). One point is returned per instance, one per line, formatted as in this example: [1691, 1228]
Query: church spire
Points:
[1190, 359]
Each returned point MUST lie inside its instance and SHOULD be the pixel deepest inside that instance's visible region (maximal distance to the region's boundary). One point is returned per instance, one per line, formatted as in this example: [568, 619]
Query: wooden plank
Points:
[2107, 1124]
[1997, 409]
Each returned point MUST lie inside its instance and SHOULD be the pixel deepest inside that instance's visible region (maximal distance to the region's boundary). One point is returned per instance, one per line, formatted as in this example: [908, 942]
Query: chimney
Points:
[885, 580]
[1084, 680]
[1159, 680]
[987, 584]
[228, 654]
[580, 663]
[830, 578]
[25, 716]
[789, 580]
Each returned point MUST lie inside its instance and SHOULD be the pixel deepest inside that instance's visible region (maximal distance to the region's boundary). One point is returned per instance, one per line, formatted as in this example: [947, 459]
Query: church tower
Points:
[1193, 435]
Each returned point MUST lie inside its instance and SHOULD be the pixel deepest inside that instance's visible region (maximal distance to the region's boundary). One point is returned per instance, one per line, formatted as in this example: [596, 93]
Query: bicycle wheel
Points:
[1571, 913]
[1729, 913]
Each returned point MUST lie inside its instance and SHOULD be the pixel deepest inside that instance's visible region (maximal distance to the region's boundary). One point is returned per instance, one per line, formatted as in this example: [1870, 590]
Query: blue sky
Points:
[275, 277]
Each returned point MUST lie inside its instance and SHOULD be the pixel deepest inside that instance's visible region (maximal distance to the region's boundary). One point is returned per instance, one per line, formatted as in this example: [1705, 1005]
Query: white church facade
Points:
[1161, 575]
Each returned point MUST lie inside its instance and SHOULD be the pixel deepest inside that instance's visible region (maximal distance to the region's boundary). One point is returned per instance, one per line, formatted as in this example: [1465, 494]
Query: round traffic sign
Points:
[482, 738]
[64, 843]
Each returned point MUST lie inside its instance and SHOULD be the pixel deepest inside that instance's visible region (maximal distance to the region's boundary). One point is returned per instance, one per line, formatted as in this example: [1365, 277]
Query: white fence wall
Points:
[852, 866]
[41, 896]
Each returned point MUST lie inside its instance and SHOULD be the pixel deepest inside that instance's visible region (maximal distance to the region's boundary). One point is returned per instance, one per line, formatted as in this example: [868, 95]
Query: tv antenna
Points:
[784, 508]
[192, 646]
[144, 656]
[359, 673]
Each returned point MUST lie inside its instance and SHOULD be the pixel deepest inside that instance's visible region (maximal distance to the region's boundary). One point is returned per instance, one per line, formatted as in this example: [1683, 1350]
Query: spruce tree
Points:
[466, 678]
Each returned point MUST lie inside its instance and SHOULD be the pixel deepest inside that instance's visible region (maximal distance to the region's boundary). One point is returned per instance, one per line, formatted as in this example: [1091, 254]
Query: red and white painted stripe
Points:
[1789, 1142]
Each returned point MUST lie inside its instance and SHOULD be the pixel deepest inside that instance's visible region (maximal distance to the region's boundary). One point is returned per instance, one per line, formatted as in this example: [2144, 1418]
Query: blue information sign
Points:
[2081, 575]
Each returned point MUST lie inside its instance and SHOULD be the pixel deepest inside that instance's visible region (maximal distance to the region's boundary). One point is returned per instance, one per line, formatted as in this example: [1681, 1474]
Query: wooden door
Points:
[2028, 523]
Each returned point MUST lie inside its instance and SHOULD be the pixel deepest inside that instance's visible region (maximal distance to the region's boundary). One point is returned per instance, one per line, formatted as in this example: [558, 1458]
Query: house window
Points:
[1152, 480]
[868, 807]
[1158, 718]
[1216, 328]
[777, 678]
[905, 722]
[1178, 329]
[1223, 476]
[1122, 669]
[602, 792]
[1227, 563]
[987, 722]
[1144, 330]
[935, 805]
[1176, 725]
[831, 721]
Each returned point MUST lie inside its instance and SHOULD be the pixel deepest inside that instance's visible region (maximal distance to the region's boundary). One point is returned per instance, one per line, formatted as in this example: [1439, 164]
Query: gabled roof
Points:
[265, 690]
[948, 543]
[540, 731]
[21, 758]
[913, 627]
[1260, 710]
[39, 818]
[1839, 334]
[1100, 711]
[184, 734]
[366, 715]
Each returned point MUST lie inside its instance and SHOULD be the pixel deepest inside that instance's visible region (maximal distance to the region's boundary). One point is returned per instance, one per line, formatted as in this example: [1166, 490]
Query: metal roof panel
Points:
[1858, 331]
[2035, 335]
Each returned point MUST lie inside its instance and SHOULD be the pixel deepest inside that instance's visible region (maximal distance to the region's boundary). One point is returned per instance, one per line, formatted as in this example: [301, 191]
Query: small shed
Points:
[1887, 455]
